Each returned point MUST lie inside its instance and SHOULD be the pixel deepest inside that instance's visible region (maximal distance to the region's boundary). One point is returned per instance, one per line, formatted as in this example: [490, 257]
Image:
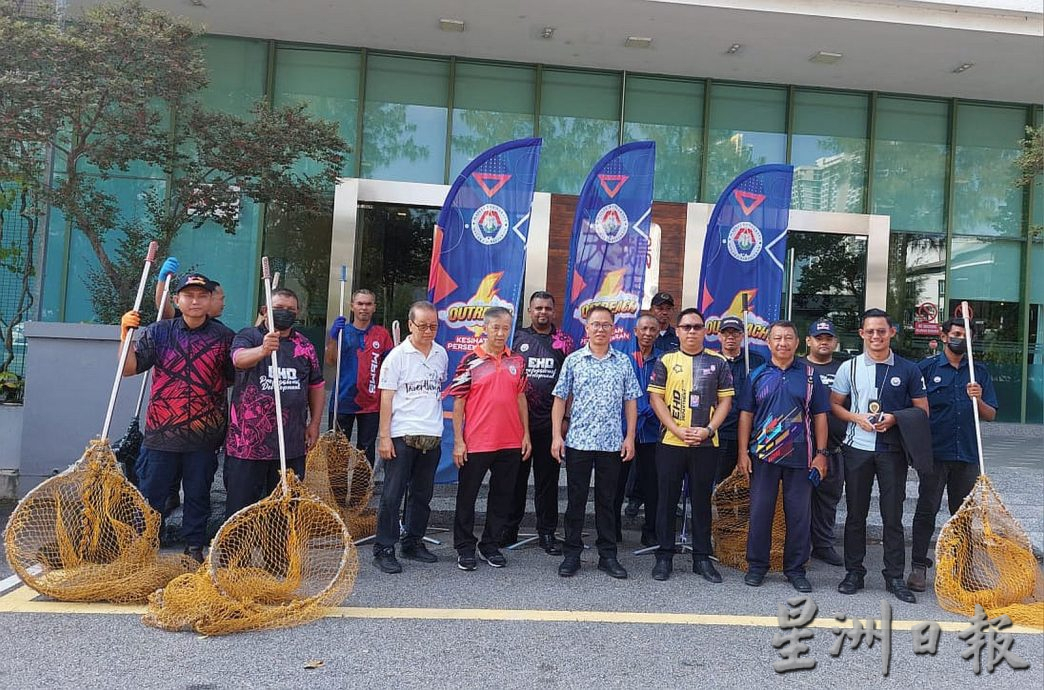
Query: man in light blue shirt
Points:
[597, 385]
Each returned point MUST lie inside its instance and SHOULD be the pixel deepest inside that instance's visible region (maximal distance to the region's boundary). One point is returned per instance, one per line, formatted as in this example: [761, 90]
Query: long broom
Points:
[983, 556]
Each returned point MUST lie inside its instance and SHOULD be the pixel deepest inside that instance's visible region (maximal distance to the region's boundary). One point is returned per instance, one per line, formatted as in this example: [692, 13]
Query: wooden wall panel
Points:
[670, 217]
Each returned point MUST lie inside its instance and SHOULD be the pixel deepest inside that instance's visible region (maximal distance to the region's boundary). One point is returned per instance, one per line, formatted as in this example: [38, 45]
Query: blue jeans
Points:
[411, 469]
[156, 471]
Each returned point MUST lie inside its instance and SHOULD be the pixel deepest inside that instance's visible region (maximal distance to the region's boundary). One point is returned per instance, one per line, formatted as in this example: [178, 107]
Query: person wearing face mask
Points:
[951, 395]
[252, 445]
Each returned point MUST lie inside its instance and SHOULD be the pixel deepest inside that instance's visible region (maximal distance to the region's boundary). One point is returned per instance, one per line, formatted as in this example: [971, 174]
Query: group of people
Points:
[667, 423]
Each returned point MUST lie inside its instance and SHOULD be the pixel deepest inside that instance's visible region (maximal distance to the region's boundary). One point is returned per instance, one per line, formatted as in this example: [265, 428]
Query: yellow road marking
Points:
[24, 600]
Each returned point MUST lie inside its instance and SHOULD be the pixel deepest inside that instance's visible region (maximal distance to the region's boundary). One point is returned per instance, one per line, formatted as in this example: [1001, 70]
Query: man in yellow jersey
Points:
[691, 392]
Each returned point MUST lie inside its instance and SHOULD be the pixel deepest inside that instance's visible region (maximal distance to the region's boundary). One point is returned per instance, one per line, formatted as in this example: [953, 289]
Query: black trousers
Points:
[958, 479]
[606, 468]
[728, 448]
[545, 487]
[797, 507]
[673, 464]
[633, 491]
[248, 481]
[861, 467]
[502, 466]
[368, 423]
[825, 498]
[413, 469]
[648, 481]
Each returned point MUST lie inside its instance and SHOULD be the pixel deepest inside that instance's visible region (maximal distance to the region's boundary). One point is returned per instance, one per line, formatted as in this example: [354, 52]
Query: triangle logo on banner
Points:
[748, 201]
[605, 181]
[498, 180]
[578, 286]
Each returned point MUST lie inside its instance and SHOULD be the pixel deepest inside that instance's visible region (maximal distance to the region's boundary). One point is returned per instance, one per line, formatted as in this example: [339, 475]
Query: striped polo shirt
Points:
[490, 386]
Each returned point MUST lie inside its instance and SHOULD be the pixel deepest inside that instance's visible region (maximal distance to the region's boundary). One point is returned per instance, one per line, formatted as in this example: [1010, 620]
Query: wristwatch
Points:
[823, 451]
[710, 431]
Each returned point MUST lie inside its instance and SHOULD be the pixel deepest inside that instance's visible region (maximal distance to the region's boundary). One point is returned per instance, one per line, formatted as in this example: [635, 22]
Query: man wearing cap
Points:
[185, 422]
[955, 452]
[663, 309]
[251, 469]
[821, 342]
[730, 336]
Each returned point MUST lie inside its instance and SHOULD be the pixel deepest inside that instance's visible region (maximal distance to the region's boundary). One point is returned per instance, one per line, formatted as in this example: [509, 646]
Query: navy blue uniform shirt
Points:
[951, 416]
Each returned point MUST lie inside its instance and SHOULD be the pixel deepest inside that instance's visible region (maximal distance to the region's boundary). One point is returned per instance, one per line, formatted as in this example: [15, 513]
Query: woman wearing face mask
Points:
[252, 446]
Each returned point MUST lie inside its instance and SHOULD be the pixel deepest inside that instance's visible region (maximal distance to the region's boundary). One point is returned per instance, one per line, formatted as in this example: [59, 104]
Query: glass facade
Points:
[940, 168]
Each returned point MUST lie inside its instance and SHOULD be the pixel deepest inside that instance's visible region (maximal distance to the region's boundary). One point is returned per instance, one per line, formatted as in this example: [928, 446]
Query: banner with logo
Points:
[610, 243]
[744, 252]
[479, 254]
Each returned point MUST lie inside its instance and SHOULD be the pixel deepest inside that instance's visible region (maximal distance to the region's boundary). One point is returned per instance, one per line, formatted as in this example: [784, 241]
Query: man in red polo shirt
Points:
[491, 434]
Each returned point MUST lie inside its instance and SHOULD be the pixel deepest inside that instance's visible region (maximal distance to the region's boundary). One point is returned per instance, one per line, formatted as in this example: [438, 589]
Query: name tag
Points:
[694, 400]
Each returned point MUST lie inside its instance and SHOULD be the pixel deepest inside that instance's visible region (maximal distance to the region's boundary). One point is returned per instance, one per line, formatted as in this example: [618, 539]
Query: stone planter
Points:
[10, 448]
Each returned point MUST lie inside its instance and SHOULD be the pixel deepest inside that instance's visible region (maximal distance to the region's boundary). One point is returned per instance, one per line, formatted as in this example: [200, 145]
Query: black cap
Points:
[195, 280]
[731, 322]
[662, 298]
[822, 327]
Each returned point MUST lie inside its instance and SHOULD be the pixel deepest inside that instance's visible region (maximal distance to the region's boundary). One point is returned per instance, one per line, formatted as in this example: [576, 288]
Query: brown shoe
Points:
[918, 580]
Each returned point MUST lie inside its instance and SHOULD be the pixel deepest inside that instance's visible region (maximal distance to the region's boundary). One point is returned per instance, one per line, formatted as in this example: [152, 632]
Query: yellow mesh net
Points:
[984, 557]
[89, 535]
[339, 474]
[731, 503]
[275, 564]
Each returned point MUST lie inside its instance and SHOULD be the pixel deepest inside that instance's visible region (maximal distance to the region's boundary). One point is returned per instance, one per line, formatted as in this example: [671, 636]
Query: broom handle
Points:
[275, 376]
[746, 343]
[340, 341]
[971, 376]
[395, 332]
[125, 348]
[145, 376]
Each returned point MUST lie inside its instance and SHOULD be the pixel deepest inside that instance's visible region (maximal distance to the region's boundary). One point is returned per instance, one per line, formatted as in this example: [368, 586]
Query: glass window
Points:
[669, 112]
[1035, 386]
[236, 68]
[491, 104]
[986, 200]
[910, 148]
[404, 122]
[916, 277]
[579, 122]
[328, 83]
[747, 129]
[828, 151]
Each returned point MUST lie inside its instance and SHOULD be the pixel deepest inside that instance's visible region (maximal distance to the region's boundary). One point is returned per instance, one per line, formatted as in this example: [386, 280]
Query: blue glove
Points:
[169, 268]
[338, 326]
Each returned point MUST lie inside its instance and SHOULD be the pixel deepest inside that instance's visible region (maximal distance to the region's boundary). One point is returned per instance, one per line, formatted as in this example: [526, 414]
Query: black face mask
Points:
[957, 346]
[283, 319]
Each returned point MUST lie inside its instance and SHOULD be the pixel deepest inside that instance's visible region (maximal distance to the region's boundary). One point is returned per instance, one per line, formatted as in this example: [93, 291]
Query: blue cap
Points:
[822, 327]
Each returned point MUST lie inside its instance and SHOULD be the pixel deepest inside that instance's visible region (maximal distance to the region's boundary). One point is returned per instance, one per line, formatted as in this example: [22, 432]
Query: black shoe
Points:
[705, 568]
[619, 537]
[800, 583]
[897, 586]
[507, 539]
[418, 552]
[173, 501]
[631, 510]
[466, 561]
[662, 570]
[570, 566]
[650, 541]
[494, 558]
[828, 556]
[753, 578]
[195, 553]
[612, 567]
[549, 544]
[386, 561]
[852, 583]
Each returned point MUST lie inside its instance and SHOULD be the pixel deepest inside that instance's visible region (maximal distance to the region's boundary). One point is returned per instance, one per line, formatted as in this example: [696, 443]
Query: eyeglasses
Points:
[600, 326]
[429, 327]
[689, 327]
[875, 331]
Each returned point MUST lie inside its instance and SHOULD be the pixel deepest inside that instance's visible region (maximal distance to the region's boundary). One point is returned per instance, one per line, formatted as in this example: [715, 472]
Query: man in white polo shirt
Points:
[410, 437]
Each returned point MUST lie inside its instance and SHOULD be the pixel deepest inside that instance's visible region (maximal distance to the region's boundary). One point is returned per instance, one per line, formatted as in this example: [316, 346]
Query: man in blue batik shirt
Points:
[951, 395]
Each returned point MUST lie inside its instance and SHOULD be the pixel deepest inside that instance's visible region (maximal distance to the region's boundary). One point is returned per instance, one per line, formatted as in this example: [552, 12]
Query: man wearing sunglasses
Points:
[691, 392]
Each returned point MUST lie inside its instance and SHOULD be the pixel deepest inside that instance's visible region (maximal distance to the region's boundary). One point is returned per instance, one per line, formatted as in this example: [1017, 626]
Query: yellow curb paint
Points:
[23, 600]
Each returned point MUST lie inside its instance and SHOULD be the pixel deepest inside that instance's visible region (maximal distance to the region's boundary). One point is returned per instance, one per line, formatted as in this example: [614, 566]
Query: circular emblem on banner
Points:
[896, 380]
[744, 241]
[489, 224]
[524, 347]
[611, 223]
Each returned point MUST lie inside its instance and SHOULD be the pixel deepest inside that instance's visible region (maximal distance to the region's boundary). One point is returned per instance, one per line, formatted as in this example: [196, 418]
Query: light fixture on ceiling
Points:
[638, 42]
[825, 57]
[452, 25]
[733, 49]
[963, 67]
[548, 33]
